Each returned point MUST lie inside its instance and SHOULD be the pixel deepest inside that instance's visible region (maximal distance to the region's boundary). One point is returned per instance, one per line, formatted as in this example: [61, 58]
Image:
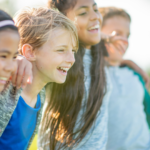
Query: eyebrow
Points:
[8, 52]
[64, 46]
[86, 6]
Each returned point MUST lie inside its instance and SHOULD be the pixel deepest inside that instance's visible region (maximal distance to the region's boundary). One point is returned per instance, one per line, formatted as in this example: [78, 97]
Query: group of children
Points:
[70, 83]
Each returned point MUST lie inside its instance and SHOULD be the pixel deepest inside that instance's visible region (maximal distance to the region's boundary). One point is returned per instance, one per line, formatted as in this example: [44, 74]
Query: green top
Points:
[146, 100]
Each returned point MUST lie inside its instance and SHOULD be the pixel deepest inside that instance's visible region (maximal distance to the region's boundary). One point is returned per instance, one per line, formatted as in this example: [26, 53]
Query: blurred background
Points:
[139, 48]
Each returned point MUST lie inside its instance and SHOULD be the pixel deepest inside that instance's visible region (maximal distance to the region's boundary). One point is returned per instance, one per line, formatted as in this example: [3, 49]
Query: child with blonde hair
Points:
[49, 41]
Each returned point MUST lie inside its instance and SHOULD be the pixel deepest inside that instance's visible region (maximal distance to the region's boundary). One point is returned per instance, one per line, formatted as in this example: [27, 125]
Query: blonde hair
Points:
[35, 25]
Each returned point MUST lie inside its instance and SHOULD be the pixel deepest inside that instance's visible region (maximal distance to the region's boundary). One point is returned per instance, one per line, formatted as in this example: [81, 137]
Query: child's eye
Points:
[3, 56]
[74, 51]
[14, 57]
[82, 14]
[61, 50]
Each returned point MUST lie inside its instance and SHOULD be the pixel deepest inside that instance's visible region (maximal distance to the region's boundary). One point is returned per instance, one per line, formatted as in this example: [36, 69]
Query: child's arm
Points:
[135, 67]
[23, 75]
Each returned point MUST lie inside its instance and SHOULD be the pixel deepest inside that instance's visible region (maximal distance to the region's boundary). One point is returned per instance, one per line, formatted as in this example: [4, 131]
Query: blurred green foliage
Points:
[9, 6]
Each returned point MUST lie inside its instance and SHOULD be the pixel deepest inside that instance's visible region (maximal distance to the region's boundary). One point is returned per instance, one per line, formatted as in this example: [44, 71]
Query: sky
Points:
[139, 42]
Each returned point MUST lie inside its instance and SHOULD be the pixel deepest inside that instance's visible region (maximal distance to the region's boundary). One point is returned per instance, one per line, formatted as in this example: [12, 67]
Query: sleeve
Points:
[146, 101]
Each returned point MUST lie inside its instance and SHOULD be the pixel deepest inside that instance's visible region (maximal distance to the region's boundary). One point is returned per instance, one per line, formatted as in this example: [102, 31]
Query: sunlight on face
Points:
[121, 27]
[9, 41]
[56, 56]
[88, 20]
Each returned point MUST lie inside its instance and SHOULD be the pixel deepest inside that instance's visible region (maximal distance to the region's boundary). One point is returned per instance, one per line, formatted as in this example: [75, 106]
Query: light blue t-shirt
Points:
[20, 127]
[127, 126]
[96, 138]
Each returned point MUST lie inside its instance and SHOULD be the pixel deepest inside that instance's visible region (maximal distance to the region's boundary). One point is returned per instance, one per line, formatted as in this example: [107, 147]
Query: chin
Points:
[60, 81]
[95, 41]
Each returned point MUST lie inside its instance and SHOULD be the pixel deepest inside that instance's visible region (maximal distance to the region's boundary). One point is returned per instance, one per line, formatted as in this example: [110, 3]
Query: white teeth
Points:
[3, 78]
[95, 27]
[66, 69]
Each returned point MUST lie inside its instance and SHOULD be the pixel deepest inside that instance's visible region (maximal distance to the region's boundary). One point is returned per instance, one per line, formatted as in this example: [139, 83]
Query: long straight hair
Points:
[65, 103]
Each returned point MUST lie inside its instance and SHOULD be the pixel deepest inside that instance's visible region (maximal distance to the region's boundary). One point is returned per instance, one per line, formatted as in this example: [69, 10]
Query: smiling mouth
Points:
[96, 27]
[3, 80]
[63, 69]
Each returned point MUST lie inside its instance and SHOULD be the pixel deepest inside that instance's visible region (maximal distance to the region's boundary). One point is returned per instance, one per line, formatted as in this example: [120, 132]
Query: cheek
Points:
[2, 64]
[114, 54]
[81, 26]
[49, 63]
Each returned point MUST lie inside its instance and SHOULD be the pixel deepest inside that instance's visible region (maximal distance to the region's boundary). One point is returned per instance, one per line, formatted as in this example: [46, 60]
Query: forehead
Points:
[9, 39]
[81, 3]
[117, 22]
[61, 36]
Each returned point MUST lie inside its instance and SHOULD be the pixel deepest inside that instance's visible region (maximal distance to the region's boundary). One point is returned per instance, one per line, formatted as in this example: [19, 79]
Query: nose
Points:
[11, 66]
[96, 16]
[70, 58]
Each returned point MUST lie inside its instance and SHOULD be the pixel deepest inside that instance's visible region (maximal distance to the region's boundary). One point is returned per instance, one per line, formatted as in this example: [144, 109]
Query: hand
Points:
[23, 74]
[115, 42]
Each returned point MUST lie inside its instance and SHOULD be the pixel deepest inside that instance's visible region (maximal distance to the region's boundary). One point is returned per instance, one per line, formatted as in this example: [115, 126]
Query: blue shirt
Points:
[20, 127]
[127, 125]
[96, 138]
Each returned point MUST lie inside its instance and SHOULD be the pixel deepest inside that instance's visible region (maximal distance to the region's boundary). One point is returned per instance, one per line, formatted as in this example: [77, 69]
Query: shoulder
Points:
[10, 92]
[42, 95]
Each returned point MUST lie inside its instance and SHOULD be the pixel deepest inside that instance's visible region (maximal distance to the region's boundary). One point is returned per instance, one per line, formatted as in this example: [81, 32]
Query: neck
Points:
[113, 62]
[31, 91]
[88, 47]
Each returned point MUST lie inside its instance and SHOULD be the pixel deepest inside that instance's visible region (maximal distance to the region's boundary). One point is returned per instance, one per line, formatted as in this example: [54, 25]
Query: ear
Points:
[28, 52]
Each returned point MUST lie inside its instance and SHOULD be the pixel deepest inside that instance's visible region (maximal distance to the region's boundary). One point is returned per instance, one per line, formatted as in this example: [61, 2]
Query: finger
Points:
[19, 77]
[13, 78]
[120, 48]
[27, 77]
[119, 38]
[110, 48]
[30, 79]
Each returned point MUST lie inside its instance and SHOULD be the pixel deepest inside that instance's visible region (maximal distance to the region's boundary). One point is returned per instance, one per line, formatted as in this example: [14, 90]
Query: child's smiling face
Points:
[88, 21]
[121, 26]
[56, 56]
[9, 41]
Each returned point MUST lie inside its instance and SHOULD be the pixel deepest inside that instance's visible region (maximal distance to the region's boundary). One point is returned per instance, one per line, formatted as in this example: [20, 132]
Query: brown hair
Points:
[109, 12]
[66, 99]
[35, 25]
